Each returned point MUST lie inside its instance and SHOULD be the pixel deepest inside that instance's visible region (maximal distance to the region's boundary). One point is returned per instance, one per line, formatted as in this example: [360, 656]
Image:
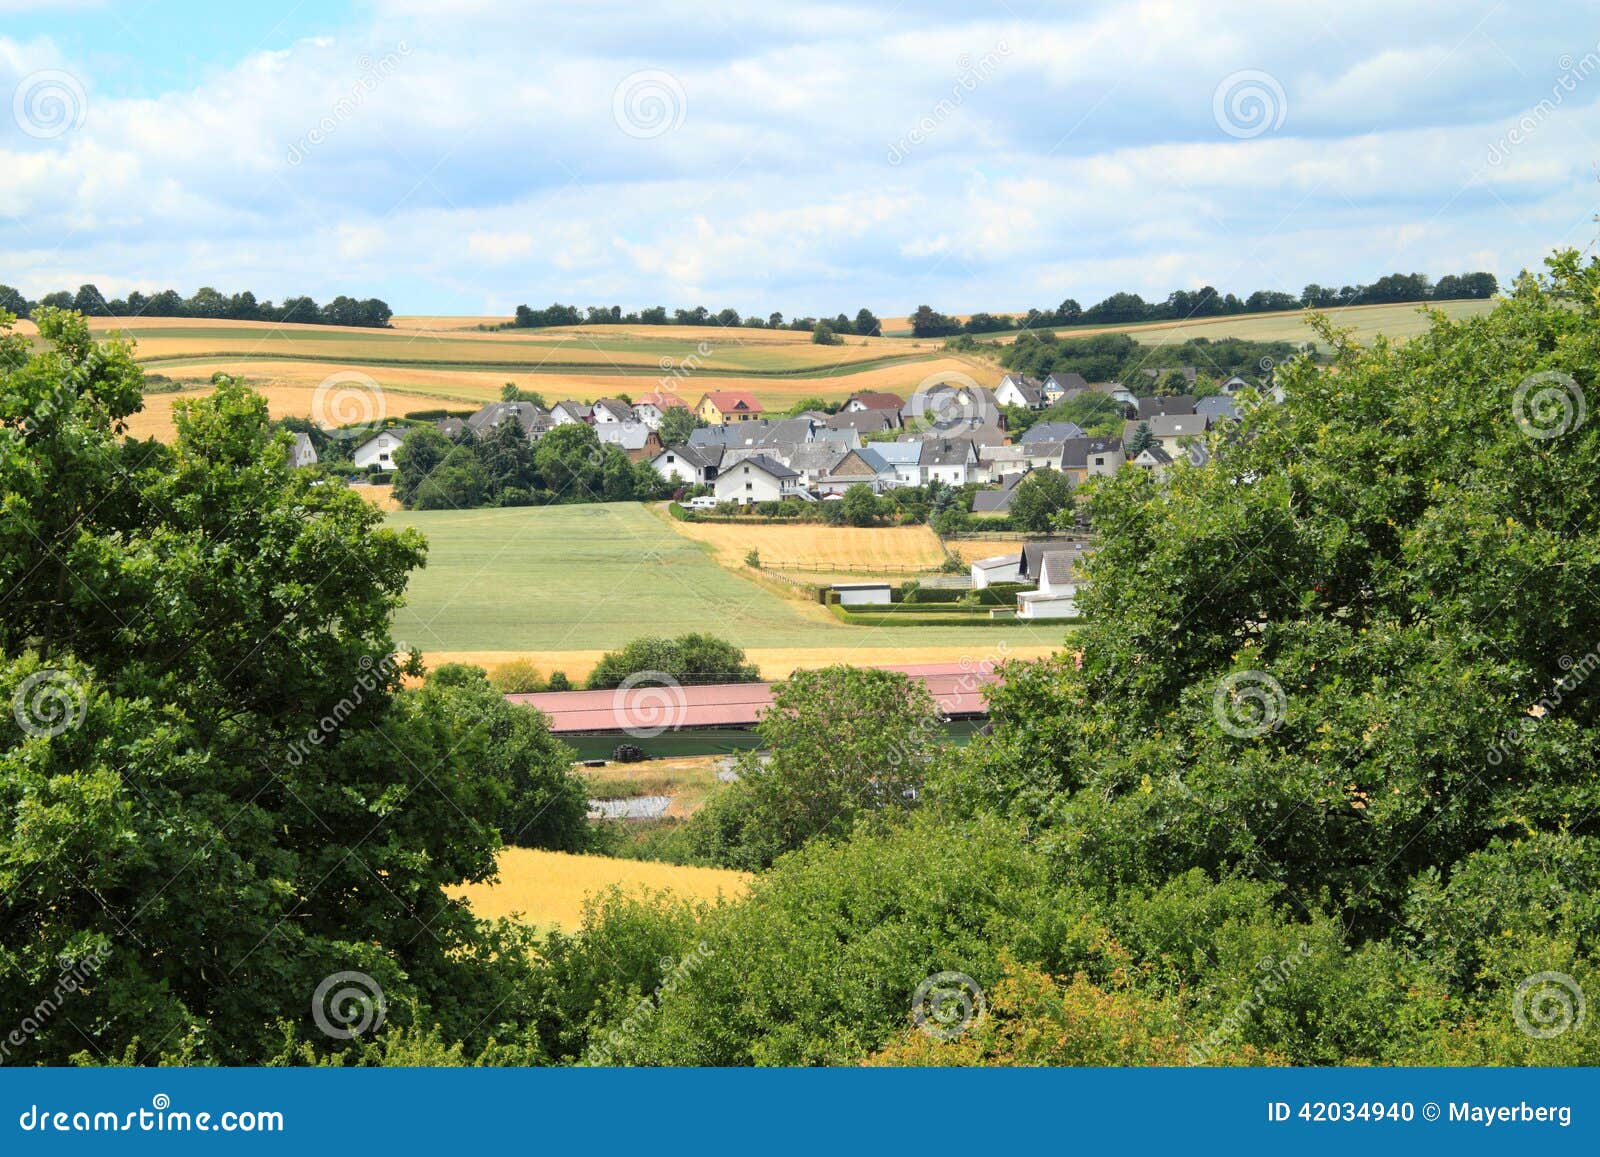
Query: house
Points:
[1083, 458]
[1000, 568]
[951, 460]
[1061, 387]
[378, 450]
[1156, 374]
[1057, 594]
[1173, 431]
[1153, 407]
[1234, 384]
[1217, 407]
[451, 428]
[1117, 392]
[997, 462]
[858, 467]
[757, 479]
[1154, 459]
[652, 407]
[904, 459]
[868, 401]
[690, 465]
[567, 413]
[809, 460]
[998, 501]
[727, 407]
[611, 412]
[865, 421]
[952, 409]
[535, 422]
[633, 436]
[1019, 390]
[303, 453]
[1051, 432]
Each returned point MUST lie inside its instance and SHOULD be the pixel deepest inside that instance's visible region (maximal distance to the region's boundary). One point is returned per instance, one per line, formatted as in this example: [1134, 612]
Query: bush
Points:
[518, 676]
[687, 659]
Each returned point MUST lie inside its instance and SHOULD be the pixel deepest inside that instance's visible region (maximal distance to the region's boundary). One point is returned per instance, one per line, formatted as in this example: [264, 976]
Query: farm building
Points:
[863, 594]
[1000, 568]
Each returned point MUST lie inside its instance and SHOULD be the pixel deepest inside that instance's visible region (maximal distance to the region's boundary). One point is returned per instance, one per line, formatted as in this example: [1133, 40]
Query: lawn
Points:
[580, 579]
[547, 889]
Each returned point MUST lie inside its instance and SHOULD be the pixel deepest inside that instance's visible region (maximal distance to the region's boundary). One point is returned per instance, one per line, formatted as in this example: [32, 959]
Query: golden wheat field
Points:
[849, 547]
[154, 420]
[548, 888]
[772, 662]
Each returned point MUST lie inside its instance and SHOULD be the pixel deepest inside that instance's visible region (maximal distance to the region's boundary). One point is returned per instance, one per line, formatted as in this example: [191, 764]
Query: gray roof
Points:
[451, 427]
[810, 458]
[1217, 406]
[579, 411]
[1156, 454]
[1052, 432]
[946, 452]
[1076, 452]
[866, 421]
[618, 409]
[907, 453]
[1150, 407]
[1060, 566]
[1177, 425]
[700, 457]
[993, 501]
[771, 466]
[874, 465]
[1026, 386]
[1067, 382]
[630, 435]
[531, 417]
[1034, 553]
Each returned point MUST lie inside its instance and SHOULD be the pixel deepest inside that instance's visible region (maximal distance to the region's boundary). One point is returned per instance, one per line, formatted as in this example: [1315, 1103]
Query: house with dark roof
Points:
[1172, 431]
[1151, 407]
[952, 409]
[1217, 407]
[861, 467]
[1056, 574]
[998, 501]
[534, 421]
[1060, 387]
[1083, 458]
[689, 465]
[952, 460]
[303, 453]
[758, 479]
[1154, 459]
[565, 413]
[865, 421]
[1019, 390]
[611, 411]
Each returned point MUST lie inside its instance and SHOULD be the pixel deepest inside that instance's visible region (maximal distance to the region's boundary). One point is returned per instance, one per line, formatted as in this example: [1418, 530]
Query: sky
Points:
[465, 156]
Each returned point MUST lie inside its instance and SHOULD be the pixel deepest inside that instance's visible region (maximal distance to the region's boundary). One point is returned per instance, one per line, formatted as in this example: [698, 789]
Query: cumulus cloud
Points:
[815, 157]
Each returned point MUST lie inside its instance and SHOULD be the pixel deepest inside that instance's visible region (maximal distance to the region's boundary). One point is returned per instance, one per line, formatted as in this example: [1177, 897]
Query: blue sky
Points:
[464, 157]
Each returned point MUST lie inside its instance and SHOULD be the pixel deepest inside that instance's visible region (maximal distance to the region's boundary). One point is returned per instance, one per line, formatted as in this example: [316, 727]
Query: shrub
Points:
[517, 676]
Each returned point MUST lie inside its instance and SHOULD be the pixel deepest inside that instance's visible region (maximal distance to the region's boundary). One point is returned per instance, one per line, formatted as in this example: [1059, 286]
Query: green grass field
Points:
[570, 578]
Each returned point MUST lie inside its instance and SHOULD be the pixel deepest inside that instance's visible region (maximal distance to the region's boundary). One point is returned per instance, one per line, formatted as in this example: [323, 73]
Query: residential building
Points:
[1217, 407]
[858, 467]
[1000, 568]
[612, 411]
[904, 459]
[1051, 432]
[1057, 593]
[1019, 390]
[689, 465]
[951, 460]
[378, 450]
[727, 407]
[535, 422]
[1154, 459]
[566, 413]
[303, 453]
[873, 400]
[1061, 387]
[652, 407]
[865, 421]
[1153, 407]
[758, 479]
[1083, 458]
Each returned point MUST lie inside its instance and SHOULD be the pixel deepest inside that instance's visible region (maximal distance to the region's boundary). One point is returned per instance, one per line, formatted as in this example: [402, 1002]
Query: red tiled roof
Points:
[957, 688]
[877, 400]
[726, 400]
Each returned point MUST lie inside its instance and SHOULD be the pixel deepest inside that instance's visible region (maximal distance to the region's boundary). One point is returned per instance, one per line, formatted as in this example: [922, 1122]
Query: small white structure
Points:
[757, 479]
[613, 412]
[303, 453]
[1000, 568]
[863, 594]
[1057, 596]
[377, 450]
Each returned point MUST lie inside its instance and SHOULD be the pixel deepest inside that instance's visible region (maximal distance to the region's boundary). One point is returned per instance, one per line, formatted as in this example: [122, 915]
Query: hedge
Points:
[878, 618]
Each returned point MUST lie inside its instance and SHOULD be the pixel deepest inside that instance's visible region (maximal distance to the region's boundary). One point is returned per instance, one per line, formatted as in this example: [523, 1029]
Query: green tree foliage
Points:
[860, 505]
[677, 423]
[1140, 440]
[927, 322]
[216, 785]
[691, 658]
[844, 742]
[823, 334]
[1039, 499]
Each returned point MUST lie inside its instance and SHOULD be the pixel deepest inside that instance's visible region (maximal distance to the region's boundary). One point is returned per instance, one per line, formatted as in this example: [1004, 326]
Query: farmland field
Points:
[547, 889]
[849, 548]
[565, 582]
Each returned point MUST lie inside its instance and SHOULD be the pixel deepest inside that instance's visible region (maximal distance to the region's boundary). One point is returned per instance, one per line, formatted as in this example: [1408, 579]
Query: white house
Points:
[757, 479]
[304, 453]
[904, 459]
[377, 450]
[652, 407]
[613, 412]
[1019, 390]
[1000, 568]
[690, 465]
[569, 413]
[952, 460]
[1057, 596]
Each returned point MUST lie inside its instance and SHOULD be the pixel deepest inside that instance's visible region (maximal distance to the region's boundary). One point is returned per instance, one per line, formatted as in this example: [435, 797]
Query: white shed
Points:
[863, 594]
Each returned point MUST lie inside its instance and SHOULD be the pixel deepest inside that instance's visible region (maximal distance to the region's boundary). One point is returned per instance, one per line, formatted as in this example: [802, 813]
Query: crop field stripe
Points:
[586, 369]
